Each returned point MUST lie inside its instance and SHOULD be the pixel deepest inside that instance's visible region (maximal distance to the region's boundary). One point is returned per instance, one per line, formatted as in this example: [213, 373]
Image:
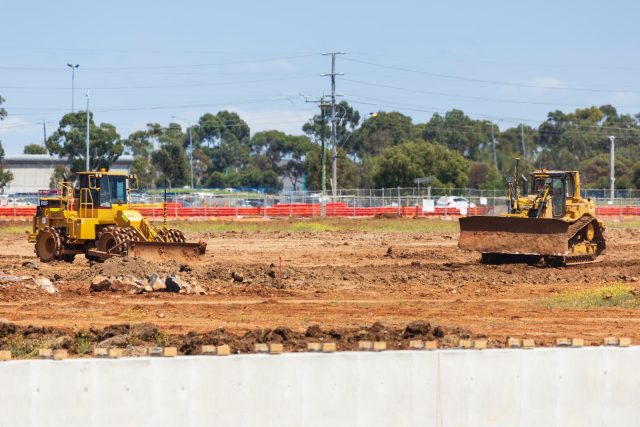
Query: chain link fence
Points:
[412, 201]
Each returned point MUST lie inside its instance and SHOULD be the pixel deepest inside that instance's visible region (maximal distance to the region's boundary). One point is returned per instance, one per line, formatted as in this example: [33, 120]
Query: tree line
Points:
[384, 149]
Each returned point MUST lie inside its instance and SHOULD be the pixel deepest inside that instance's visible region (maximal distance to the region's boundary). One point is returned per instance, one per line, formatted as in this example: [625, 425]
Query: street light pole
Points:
[73, 78]
[191, 154]
[88, 133]
[613, 166]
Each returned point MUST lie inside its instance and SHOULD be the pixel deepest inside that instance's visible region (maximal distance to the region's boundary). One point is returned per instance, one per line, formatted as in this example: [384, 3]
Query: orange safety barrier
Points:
[176, 210]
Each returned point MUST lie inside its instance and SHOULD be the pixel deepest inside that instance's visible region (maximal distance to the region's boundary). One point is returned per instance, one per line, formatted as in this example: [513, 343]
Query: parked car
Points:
[455, 202]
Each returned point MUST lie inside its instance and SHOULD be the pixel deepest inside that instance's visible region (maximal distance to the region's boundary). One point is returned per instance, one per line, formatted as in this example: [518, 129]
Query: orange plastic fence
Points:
[303, 210]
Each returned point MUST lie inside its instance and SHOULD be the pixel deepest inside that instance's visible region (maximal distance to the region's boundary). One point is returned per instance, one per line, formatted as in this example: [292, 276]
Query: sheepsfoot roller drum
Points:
[553, 224]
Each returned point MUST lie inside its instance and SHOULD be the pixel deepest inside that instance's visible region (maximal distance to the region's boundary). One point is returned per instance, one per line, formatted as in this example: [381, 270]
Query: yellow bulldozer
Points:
[95, 218]
[546, 221]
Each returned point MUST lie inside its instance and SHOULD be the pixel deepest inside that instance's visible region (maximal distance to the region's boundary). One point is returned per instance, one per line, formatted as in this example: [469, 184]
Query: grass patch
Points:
[13, 228]
[624, 225]
[616, 295]
[373, 225]
[312, 225]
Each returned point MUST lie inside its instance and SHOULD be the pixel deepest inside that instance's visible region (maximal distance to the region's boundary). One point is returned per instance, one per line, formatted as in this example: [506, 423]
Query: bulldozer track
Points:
[575, 227]
[572, 232]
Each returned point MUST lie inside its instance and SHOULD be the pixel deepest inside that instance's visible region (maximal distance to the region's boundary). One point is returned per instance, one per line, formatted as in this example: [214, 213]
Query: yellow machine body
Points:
[95, 218]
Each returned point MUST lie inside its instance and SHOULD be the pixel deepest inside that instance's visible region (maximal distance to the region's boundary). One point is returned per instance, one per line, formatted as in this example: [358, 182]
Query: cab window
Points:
[537, 185]
[558, 196]
[113, 190]
[569, 186]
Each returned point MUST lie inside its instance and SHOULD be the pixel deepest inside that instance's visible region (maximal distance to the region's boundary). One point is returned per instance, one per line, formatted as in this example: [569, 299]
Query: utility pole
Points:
[524, 150]
[44, 133]
[613, 167]
[73, 78]
[323, 157]
[334, 147]
[88, 132]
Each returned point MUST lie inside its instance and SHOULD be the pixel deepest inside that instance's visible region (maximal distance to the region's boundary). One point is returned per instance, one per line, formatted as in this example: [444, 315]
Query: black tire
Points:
[69, 258]
[48, 244]
[93, 258]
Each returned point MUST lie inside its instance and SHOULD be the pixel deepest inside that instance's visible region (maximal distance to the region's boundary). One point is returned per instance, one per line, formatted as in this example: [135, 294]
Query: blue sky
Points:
[146, 61]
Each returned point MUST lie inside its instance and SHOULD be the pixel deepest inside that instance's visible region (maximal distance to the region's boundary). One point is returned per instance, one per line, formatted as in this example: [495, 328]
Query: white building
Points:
[32, 172]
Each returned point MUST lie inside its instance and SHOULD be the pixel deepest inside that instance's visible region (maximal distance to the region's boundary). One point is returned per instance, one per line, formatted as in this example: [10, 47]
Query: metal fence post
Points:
[264, 207]
[354, 206]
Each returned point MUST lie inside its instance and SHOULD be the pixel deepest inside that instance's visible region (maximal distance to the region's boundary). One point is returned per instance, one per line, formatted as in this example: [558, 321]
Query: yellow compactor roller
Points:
[547, 220]
[96, 219]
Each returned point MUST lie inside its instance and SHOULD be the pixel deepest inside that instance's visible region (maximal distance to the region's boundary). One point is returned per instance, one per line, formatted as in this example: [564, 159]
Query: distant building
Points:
[33, 172]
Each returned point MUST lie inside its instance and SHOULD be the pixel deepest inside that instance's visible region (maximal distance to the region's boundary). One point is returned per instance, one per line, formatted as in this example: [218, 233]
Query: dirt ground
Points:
[295, 287]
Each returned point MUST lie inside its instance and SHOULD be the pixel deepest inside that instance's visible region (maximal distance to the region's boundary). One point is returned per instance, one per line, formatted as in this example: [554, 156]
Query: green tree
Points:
[400, 165]
[170, 159]
[347, 119]
[60, 174]
[459, 132]
[381, 131]
[281, 153]
[140, 145]
[635, 178]
[34, 149]
[227, 140]
[5, 176]
[348, 169]
[596, 172]
[484, 176]
[69, 141]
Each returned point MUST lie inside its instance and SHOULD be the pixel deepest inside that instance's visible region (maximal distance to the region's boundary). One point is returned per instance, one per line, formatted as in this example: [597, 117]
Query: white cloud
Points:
[15, 133]
[536, 85]
[548, 82]
[16, 125]
[623, 99]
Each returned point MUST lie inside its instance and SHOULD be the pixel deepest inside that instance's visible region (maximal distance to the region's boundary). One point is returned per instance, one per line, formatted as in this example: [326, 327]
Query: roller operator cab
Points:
[95, 218]
[547, 220]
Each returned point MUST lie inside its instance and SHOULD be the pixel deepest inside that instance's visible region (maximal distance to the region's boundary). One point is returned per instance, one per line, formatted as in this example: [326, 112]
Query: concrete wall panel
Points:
[595, 386]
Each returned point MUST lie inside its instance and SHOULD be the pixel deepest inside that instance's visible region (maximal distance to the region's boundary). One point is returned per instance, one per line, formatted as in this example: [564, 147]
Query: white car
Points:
[455, 202]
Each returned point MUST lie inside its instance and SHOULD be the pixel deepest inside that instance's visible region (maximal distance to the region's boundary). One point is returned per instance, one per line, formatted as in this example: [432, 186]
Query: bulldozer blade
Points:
[511, 235]
[161, 251]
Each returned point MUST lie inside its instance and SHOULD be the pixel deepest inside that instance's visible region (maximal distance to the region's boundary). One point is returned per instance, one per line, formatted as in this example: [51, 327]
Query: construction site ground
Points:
[338, 280]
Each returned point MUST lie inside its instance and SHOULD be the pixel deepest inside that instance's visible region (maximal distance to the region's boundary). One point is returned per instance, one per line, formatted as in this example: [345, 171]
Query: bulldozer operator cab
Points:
[106, 189]
[561, 186]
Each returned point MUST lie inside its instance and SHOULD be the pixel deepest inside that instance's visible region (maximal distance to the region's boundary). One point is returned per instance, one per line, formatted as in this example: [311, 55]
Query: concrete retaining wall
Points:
[595, 386]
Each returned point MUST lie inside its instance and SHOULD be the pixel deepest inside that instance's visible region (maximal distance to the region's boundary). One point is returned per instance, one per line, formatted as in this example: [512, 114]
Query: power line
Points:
[484, 81]
[478, 98]
[150, 51]
[169, 66]
[497, 62]
[169, 86]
